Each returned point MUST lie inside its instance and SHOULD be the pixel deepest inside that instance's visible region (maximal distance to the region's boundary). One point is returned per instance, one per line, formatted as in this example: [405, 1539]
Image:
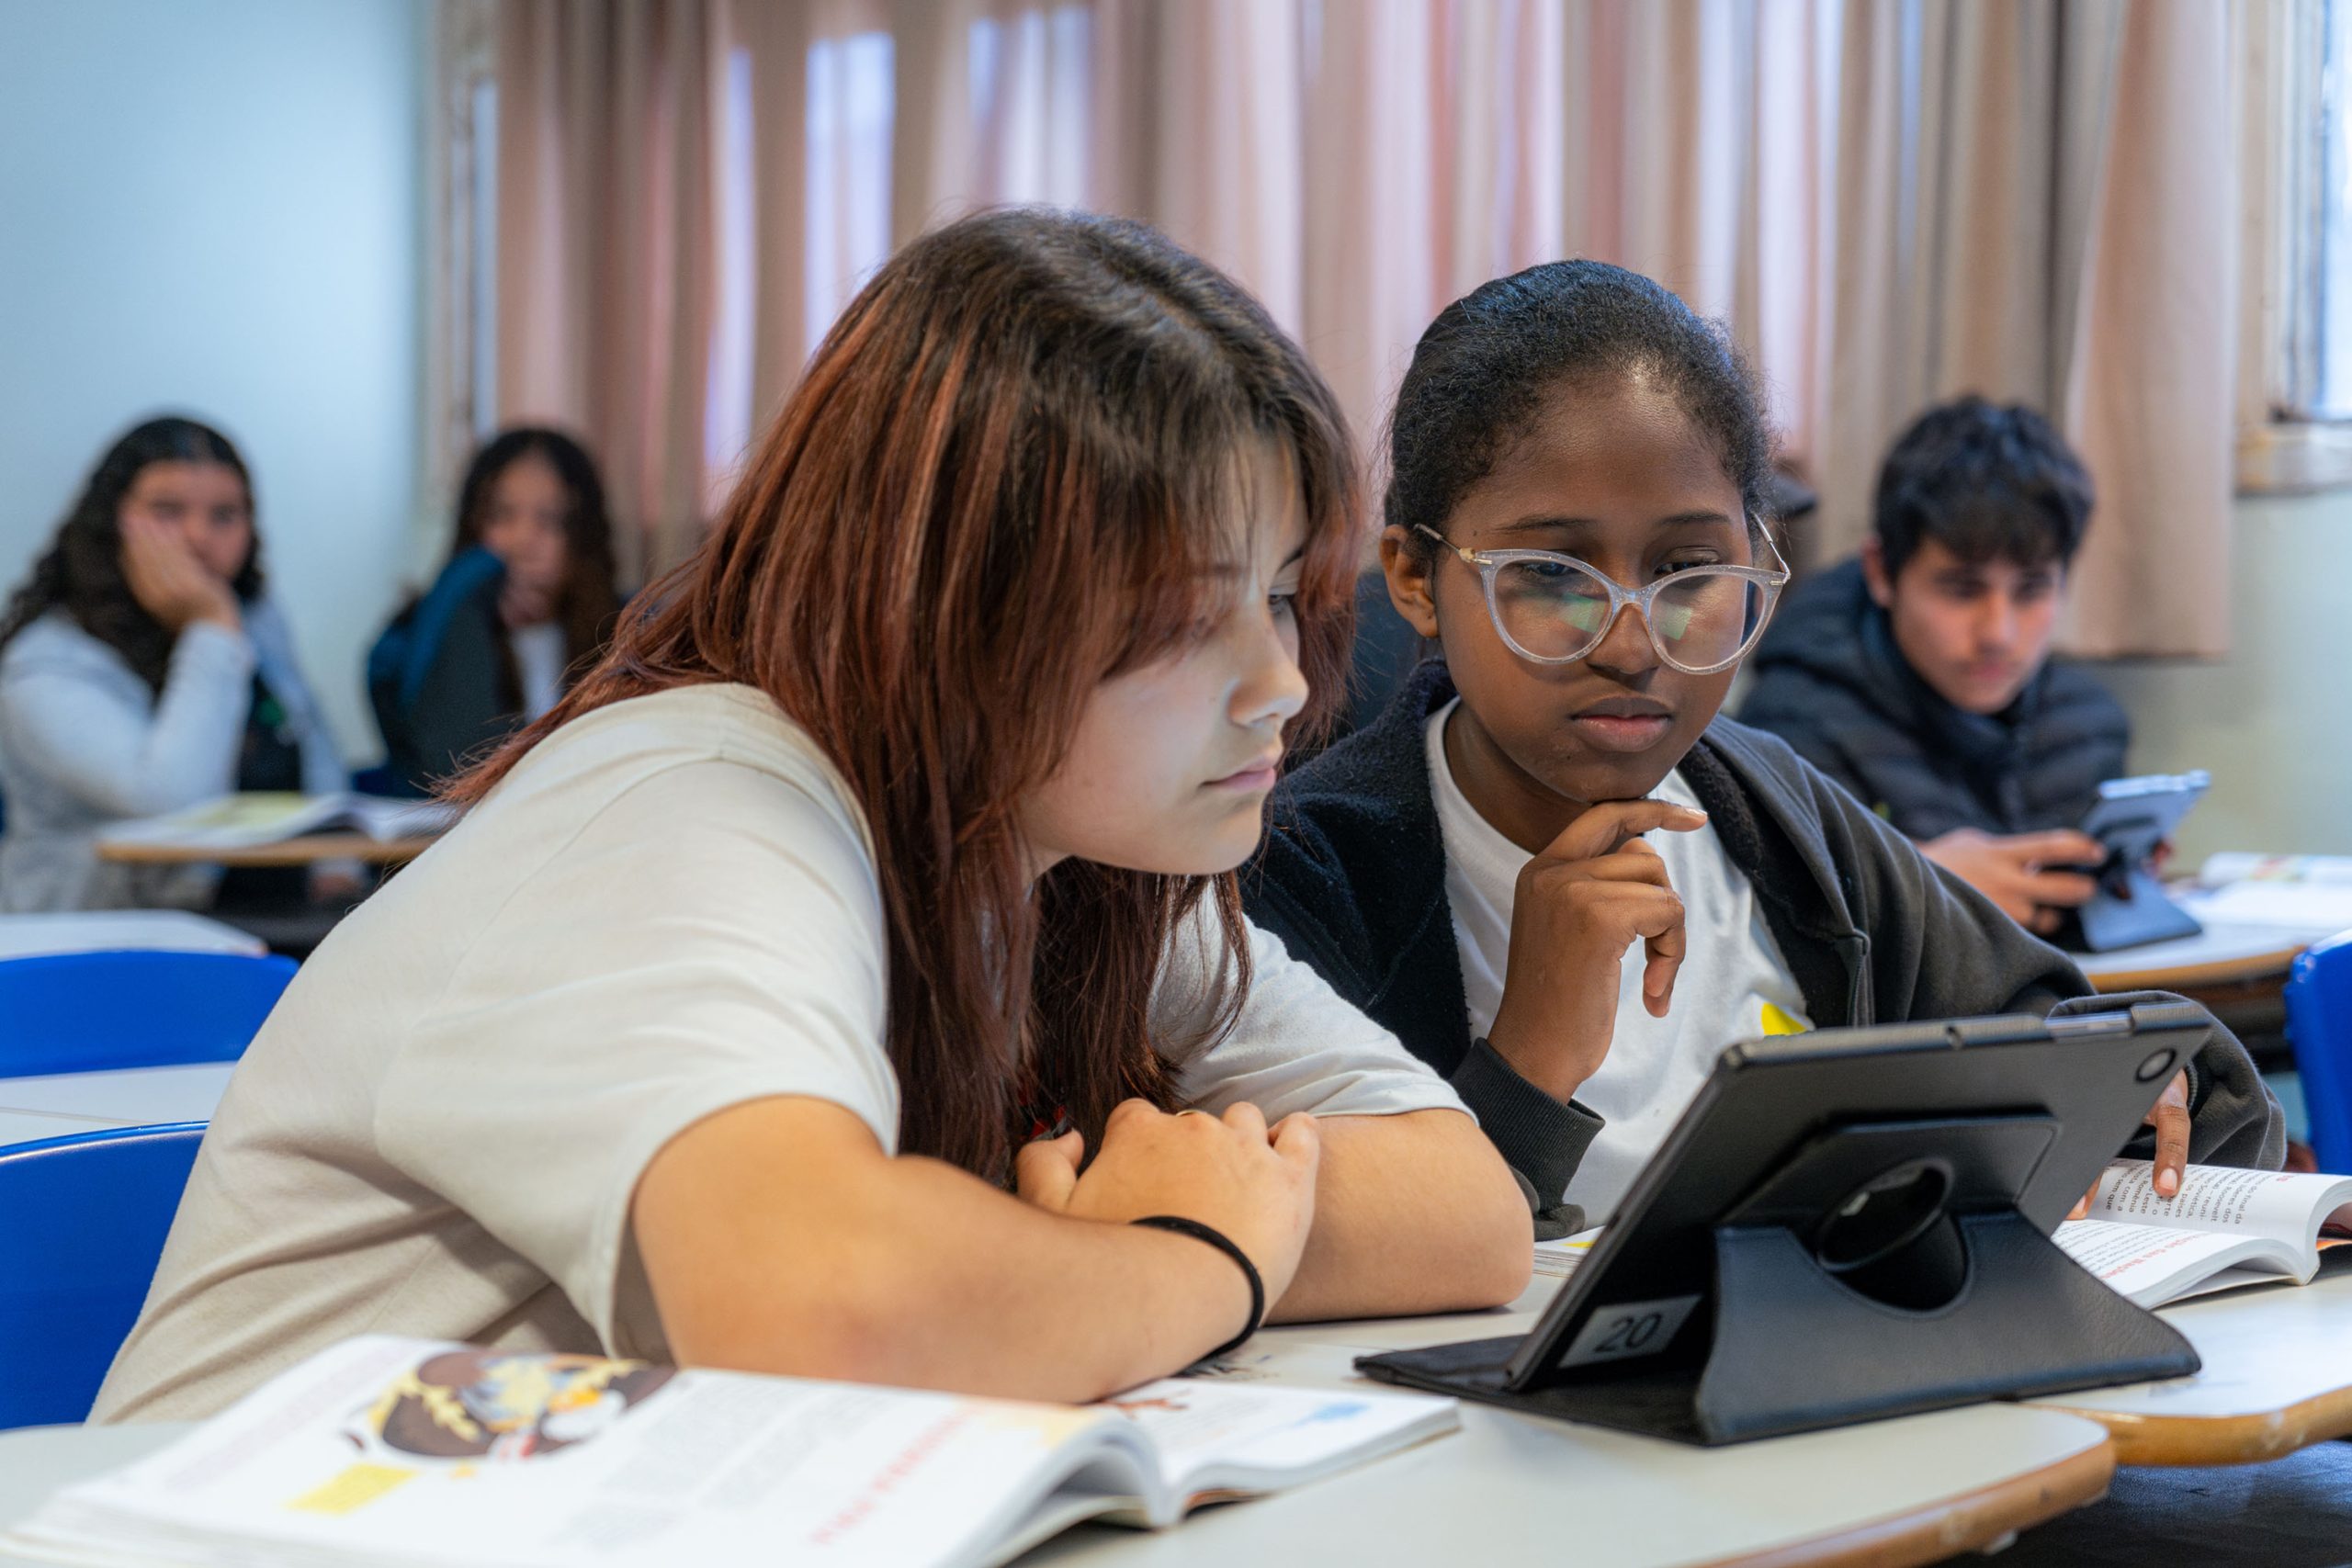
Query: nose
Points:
[1997, 627]
[1625, 649]
[1270, 689]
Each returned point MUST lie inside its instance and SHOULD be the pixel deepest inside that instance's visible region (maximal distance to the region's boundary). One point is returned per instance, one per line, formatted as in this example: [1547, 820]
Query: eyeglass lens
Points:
[1556, 611]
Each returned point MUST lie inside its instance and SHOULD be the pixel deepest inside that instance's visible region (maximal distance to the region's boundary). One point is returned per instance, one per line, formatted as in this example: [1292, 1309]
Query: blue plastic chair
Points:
[82, 1223]
[2319, 1027]
[86, 1012]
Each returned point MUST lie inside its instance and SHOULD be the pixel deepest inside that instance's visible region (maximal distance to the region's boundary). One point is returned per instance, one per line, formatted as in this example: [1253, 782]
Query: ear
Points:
[1409, 587]
[1874, 575]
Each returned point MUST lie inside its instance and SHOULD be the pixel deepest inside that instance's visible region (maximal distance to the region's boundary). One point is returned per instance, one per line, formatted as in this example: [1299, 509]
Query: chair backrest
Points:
[82, 1223]
[2319, 1026]
[82, 1012]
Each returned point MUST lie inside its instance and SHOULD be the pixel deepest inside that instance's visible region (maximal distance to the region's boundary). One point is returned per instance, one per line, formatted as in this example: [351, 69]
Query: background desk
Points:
[2278, 1375]
[304, 851]
[2223, 956]
[53, 1106]
[96, 931]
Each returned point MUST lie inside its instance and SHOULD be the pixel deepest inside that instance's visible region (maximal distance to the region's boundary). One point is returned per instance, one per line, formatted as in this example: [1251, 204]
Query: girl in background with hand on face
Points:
[142, 670]
[846, 978]
[1549, 866]
[525, 603]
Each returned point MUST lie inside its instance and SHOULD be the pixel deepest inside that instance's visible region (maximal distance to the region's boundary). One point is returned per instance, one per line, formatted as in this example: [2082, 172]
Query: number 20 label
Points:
[1623, 1330]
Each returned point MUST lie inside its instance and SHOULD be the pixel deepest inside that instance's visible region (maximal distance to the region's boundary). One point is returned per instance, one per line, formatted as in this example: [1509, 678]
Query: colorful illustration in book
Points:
[500, 1405]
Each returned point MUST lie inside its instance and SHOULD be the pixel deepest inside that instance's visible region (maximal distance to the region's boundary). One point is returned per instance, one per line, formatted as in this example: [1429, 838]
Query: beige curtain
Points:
[2048, 214]
[605, 247]
[1889, 202]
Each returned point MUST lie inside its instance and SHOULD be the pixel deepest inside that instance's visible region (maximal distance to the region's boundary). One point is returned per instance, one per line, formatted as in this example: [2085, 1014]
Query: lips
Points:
[1622, 724]
[1260, 774]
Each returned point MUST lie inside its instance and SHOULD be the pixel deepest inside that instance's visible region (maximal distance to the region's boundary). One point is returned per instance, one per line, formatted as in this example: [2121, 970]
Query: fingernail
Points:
[2167, 1182]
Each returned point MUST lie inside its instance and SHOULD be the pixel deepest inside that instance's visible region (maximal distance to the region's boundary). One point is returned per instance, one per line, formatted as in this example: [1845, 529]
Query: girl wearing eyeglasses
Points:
[1549, 866]
[846, 977]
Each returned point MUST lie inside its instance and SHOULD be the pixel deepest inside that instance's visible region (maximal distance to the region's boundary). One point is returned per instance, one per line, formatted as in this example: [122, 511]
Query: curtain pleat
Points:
[1888, 201]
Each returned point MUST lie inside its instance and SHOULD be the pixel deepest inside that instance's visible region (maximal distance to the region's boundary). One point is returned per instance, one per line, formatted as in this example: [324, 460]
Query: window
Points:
[2330, 389]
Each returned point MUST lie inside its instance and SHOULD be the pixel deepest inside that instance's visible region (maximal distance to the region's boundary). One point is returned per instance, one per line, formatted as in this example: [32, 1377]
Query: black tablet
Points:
[2129, 818]
[1852, 1222]
[2132, 816]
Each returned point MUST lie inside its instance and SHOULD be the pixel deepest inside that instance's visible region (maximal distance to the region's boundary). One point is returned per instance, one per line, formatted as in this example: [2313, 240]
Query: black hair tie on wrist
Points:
[1223, 1243]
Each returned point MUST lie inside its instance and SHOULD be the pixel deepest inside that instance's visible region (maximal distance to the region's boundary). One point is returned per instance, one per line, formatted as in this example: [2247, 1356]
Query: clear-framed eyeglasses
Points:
[1554, 609]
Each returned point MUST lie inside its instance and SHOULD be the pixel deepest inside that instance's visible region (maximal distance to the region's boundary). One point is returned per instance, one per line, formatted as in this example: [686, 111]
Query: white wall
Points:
[211, 207]
[2273, 721]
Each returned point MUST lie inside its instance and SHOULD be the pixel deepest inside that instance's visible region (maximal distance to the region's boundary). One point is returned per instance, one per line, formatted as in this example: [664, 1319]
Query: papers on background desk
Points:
[2305, 892]
[249, 820]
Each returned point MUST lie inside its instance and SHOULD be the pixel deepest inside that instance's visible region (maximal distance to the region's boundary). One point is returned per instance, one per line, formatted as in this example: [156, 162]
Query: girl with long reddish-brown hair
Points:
[847, 978]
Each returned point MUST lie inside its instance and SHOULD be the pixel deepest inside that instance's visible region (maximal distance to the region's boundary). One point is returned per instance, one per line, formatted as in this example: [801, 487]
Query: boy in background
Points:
[1918, 676]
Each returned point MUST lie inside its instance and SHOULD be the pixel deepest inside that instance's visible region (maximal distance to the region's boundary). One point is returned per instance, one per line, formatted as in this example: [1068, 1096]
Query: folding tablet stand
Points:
[2130, 909]
[1836, 1300]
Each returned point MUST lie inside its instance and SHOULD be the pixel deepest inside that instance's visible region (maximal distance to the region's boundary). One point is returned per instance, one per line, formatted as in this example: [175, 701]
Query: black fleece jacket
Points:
[1830, 682]
[1353, 879]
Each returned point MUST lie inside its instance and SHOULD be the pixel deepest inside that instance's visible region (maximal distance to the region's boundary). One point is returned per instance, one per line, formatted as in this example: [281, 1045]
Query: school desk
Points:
[56, 1104]
[2278, 1375]
[304, 851]
[2222, 958]
[1511, 1488]
[1508, 1490]
[102, 930]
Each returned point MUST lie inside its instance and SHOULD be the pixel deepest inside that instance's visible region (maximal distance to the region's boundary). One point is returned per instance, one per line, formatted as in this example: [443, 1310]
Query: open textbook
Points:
[246, 821]
[400, 1451]
[2226, 1228]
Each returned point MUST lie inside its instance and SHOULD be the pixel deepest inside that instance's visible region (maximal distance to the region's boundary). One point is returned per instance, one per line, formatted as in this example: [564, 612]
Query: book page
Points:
[390, 1450]
[385, 819]
[1231, 1437]
[2286, 1206]
[2151, 1266]
[1558, 1260]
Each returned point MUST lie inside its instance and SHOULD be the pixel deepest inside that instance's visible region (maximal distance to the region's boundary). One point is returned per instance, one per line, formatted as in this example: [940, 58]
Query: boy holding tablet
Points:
[1918, 674]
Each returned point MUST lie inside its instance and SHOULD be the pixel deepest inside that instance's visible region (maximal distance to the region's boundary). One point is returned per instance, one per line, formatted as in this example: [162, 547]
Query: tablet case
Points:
[1797, 1344]
[2130, 909]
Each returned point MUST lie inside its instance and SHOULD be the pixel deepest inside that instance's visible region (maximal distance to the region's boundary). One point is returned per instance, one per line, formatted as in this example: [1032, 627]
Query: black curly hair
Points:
[1481, 370]
[82, 571]
[1988, 482]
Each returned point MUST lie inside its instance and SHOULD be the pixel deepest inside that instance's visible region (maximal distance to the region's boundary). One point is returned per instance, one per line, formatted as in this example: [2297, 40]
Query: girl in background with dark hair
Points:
[143, 668]
[525, 604]
[847, 977]
[1549, 866]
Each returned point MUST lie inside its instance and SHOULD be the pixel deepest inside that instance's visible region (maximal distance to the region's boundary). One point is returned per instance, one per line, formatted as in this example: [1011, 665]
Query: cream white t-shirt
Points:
[1733, 985]
[668, 907]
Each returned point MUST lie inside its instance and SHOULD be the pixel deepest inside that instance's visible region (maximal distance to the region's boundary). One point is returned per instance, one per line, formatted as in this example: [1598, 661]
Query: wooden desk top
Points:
[305, 850]
[2223, 954]
[2278, 1375]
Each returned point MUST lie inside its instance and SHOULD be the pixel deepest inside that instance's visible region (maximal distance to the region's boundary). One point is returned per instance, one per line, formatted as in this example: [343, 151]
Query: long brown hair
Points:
[1008, 474]
[82, 571]
[588, 603]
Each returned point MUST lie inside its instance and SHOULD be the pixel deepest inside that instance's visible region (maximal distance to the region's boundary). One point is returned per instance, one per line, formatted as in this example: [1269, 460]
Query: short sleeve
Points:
[1296, 1045]
[711, 936]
